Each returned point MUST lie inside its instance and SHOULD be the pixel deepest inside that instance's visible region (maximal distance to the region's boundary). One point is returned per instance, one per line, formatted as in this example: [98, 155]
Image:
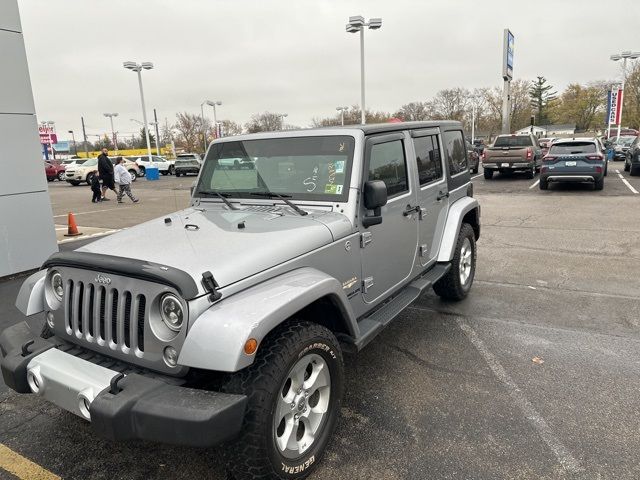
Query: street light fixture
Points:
[138, 67]
[113, 132]
[357, 24]
[211, 103]
[624, 56]
[282, 116]
[342, 110]
[73, 138]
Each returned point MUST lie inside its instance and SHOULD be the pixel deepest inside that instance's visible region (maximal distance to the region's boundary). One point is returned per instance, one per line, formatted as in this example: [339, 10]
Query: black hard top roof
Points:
[393, 127]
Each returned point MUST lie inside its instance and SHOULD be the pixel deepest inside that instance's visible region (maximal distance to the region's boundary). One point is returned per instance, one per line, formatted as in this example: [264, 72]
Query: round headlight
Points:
[171, 312]
[56, 285]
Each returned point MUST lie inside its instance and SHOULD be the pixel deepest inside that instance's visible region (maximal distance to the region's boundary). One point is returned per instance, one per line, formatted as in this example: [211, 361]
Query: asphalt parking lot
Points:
[535, 375]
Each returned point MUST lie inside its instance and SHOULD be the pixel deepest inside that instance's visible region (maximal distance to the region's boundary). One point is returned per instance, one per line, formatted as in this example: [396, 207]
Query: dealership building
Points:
[27, 234]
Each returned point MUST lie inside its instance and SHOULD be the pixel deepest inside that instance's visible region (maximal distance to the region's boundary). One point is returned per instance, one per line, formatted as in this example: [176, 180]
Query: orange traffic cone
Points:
[73, 228]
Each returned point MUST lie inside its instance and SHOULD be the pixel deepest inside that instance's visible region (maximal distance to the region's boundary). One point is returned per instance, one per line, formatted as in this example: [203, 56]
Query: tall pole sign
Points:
[615, 108]
[507, 76]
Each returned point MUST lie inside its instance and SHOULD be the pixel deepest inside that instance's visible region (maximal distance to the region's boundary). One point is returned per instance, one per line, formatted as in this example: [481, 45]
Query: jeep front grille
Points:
[105, 316]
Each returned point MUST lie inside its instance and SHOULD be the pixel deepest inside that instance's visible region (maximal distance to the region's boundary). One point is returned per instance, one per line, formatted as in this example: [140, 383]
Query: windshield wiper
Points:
[282, 197]
[222, 196]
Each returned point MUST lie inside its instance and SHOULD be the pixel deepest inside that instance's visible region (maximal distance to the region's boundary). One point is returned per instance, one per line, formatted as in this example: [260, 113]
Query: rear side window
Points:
[428, 158]
[387, 163]
[574, 148]
[456, 154]
[513, 141]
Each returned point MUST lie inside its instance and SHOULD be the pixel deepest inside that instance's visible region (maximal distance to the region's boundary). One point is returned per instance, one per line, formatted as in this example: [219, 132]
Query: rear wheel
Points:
[143, 171]
[172, 170]
[532, 171]
[455, 285]
[177, 174]
[599, 183]
[488, 174]
[544, 184]
[634, 170]
[294, 389]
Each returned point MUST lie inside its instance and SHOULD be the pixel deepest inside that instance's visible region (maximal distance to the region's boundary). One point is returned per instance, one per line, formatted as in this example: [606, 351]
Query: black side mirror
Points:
[375, 197]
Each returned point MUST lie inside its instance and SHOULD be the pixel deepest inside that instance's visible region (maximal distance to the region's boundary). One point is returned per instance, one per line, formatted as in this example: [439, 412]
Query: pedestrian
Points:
[105, 170]
[95, 187]
[123, 177]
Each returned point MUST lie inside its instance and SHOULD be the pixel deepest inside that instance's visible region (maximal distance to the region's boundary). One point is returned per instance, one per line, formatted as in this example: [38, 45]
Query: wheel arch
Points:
[216, 339]
[465, 210]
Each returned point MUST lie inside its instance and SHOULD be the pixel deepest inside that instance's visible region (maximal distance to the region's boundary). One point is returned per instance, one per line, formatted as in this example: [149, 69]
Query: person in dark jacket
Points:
[105, 170]
[95, 187]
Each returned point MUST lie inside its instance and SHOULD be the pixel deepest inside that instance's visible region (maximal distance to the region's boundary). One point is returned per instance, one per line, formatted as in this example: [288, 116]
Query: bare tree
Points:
[451, 104]
[230, 128]
[415, 111]
[352, 117]
[189, 132]
[264, 122]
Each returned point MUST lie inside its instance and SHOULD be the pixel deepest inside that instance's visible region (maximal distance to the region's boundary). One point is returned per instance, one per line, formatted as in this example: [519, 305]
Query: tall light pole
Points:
[73, 138]
[138, 67]
[282, 116]
[215, 115]
[624, 56]
[342, 110]
[113, 132]
[357, 24]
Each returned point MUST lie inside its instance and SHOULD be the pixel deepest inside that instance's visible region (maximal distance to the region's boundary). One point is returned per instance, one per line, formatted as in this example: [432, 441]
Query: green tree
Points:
[141, 142]
[541, 94]
[582, 105]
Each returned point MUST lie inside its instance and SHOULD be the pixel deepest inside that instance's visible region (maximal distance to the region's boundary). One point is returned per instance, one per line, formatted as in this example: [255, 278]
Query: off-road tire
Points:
[599, 184]
[488, 174]
[254, 455]
[634, 170]
[450, 286]
[544, 184]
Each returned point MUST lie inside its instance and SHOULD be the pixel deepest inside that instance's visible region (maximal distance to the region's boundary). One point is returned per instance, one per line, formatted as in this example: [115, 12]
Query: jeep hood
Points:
[231, 244]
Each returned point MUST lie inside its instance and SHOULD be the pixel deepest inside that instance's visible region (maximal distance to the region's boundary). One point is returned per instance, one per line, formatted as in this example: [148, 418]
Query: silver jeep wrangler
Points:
[232, 329]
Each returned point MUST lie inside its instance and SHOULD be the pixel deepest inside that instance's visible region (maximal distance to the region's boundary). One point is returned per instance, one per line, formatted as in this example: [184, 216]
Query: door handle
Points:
[411, 210]
[442, 195]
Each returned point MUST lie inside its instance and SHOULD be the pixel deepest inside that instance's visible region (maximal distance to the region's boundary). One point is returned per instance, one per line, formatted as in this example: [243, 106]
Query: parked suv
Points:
[233, 330]
[512, 153]
[164, 166]
[53, 171]
[76, 174]
[632, 160]
[575, 160]
[187, 163]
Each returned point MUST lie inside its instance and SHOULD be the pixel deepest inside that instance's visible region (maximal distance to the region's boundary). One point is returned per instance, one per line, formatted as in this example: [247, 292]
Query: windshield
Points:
[625, 141]
[90, 163]
[574, 148]
[309, 168]
[513, 141]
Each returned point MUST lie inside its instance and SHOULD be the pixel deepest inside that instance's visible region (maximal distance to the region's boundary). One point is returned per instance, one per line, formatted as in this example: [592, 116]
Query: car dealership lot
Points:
[448, 390]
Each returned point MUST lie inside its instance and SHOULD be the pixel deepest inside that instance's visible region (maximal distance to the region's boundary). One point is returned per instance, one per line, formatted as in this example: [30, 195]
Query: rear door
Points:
[431, 191]
[388, 249]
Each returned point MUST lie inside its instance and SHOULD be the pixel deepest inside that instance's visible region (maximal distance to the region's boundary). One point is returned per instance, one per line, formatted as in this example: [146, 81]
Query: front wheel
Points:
[133, 174]
[294, 389]
[89, 178]
[74, 183]
[177, 174]
[455, 285]
[61, 176]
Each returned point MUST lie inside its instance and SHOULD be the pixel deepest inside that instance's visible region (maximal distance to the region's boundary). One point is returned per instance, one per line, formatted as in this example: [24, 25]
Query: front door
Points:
[433, 195]
[388, 249]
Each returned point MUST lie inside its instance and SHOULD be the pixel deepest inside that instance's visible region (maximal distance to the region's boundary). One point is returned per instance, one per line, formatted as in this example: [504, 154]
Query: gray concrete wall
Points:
[27, 235]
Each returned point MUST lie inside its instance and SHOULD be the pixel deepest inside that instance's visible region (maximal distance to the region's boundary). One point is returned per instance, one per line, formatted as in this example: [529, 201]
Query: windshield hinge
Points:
[211, 285]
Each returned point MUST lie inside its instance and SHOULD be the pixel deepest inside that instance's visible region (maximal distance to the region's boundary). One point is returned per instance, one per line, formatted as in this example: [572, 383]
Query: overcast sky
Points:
[294, 56]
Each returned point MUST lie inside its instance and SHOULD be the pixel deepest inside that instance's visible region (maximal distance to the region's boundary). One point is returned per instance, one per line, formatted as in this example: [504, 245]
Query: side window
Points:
[455, 153]
[387, 163]
[428, 158]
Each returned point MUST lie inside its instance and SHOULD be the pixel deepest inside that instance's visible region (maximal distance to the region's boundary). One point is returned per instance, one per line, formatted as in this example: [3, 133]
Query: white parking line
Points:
[624, 180]
[535, 184]
[562, 454]
[476, 176]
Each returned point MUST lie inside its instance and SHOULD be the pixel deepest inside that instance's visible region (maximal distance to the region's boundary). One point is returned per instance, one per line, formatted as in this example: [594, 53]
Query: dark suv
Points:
[632, 160]
[574, 160]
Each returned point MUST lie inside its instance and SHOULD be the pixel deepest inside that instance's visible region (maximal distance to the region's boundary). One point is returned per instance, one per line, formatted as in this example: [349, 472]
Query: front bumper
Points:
[119, 407]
